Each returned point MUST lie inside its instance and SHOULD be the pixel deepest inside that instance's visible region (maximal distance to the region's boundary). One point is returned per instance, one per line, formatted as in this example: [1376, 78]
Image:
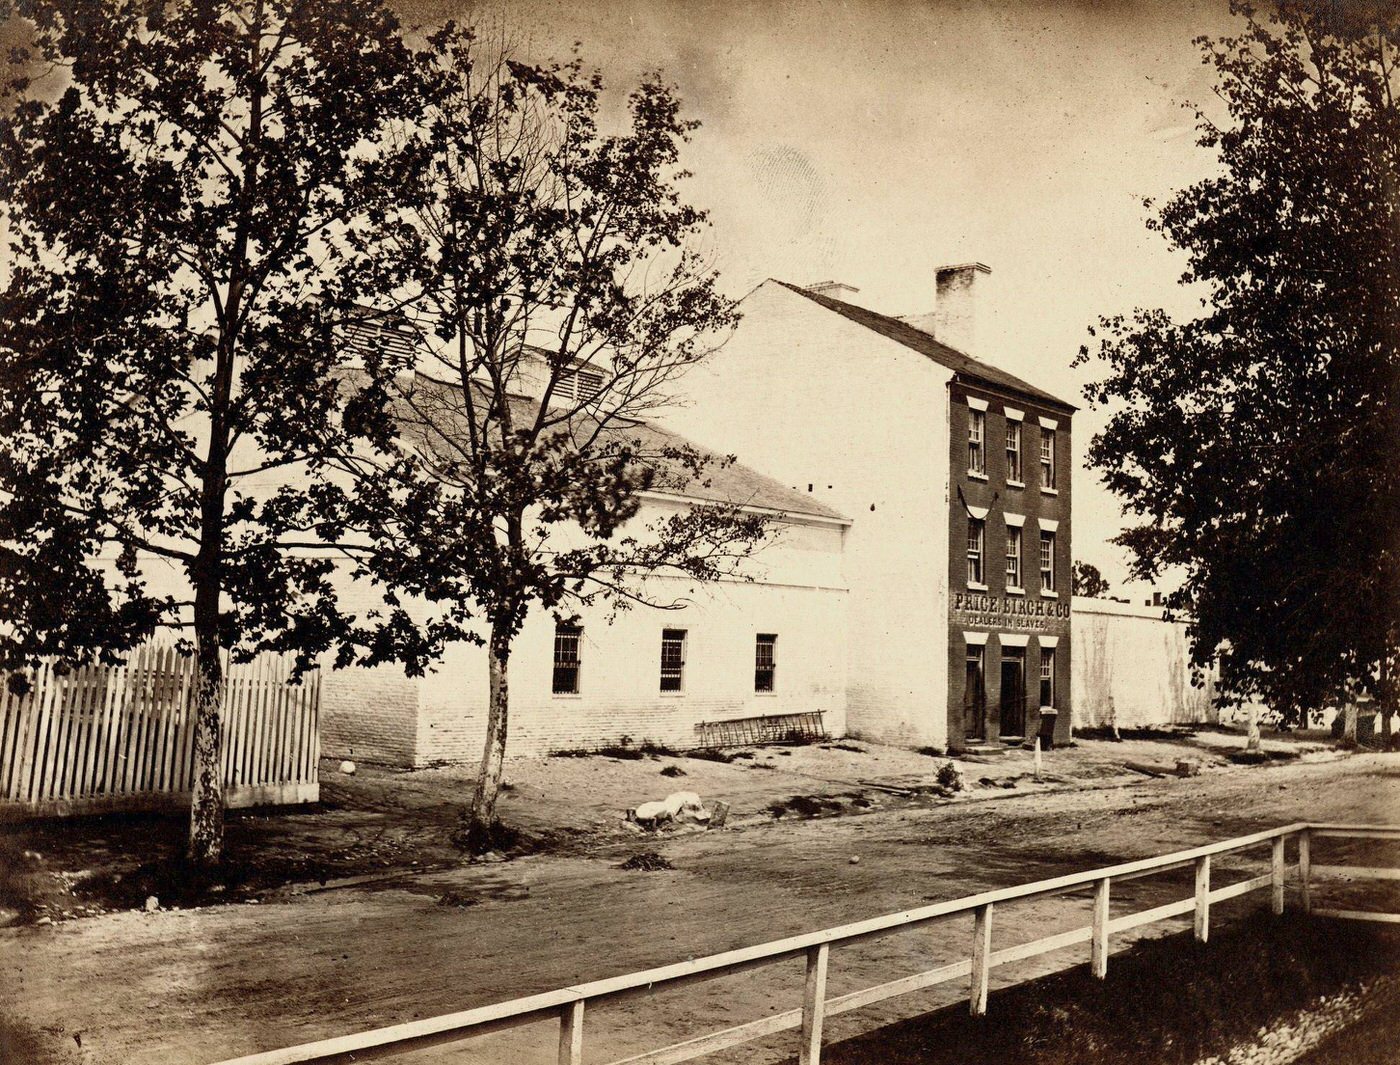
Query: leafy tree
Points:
[178, 216]
[1258, 441]
[1089, 581]
[549, 268]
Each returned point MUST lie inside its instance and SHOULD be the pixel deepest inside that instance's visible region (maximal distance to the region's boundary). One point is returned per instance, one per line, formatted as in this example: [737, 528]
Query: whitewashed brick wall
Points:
[810, 398]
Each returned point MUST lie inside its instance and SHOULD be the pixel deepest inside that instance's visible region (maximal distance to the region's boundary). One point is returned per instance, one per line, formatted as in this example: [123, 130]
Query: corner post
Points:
[1305, 868]
[1276, 870]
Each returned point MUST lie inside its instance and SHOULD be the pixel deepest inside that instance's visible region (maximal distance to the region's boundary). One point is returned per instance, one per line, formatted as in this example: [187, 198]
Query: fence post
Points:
[1305, 868]
[1098, 953]
[981, 956]
[1277, 872]
[571, 1033]
[1203, 898]
[814, 1005]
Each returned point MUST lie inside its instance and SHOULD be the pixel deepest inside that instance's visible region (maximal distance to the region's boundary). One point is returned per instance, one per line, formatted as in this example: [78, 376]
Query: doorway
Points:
[1013, 691]
[975, 695]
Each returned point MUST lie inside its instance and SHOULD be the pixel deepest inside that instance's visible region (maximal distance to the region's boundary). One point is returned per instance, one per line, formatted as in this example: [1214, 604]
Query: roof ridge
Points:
[926, 344]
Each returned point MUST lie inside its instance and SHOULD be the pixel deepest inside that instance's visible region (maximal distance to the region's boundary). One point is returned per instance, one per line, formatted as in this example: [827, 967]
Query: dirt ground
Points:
[379, 823]
[301, 963]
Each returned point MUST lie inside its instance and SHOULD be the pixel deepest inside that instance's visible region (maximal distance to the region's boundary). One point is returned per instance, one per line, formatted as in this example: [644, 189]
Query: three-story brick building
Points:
[955, 475]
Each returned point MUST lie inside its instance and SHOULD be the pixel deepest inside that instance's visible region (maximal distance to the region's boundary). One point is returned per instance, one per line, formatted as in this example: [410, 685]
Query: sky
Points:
[870, 141]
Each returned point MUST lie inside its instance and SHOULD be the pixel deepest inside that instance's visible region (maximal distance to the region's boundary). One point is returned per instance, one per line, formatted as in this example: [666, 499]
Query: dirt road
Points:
[196, 986]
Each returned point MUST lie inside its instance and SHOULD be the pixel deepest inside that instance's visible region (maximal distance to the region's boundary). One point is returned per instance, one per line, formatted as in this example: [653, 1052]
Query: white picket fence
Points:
[122, 737]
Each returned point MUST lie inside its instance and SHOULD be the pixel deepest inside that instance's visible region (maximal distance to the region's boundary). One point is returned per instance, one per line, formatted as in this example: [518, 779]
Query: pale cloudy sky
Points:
[869, 141]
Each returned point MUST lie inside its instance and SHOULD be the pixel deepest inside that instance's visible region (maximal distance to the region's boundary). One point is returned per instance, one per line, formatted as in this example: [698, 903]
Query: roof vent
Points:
[834, 290]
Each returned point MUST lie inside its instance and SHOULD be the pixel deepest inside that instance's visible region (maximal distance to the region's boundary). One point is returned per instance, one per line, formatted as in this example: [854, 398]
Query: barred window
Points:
[976, 540]
[1047, 676]
[1013, 450]
[672, 660]
[1047, 458]
[765, 665]
[567, 641]
[976, 434]
[1047, 561]
[1013, 556]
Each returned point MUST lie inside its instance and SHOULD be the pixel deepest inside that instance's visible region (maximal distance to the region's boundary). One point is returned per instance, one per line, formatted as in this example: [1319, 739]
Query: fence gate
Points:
[121, 737]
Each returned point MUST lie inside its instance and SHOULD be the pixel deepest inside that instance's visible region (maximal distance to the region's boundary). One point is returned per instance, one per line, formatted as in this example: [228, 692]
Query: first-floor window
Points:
[672, 659]
[567, 639]
[976, 541]
[765, 664]
[1047, 676]
[1013, 556]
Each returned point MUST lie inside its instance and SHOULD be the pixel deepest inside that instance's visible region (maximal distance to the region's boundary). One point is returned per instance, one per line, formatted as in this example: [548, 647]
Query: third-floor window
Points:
[976, 442]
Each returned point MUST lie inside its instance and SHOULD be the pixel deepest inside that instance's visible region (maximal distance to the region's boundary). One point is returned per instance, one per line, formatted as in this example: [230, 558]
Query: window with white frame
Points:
[1047, 676]
[765, 666]
[1013, 556]
[1013, 450]
[567, 642]
[976, 442]
[976, 545]
[1047, 458]
[1047, 561]
[672, 660]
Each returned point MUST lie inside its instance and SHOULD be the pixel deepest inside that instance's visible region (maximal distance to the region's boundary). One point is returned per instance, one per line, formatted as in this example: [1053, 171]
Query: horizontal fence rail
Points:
[567, 1006]
[122, 737]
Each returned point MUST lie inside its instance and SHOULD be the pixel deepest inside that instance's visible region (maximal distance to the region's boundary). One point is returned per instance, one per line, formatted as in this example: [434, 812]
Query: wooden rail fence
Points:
[566, 1006]
[121, 737]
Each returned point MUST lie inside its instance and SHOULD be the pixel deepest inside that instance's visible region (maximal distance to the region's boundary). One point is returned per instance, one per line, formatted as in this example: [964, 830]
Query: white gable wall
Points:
[809, 397]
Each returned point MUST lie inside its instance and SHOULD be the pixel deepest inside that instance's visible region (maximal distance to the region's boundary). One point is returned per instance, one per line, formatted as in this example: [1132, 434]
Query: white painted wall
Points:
[796, 591]
[810, 398]
[1131, 668]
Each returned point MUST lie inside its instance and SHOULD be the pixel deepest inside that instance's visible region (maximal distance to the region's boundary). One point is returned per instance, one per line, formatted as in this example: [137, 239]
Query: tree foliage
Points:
[1260, 441]
[178, 217]
[547, 272]
[1089, 581]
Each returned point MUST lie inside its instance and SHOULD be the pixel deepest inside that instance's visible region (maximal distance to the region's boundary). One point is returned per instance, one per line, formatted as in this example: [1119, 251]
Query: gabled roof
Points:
[718, 482]
[968, 370]
[734, 483]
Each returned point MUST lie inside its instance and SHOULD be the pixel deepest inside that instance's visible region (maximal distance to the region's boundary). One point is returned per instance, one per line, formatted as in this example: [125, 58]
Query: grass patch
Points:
[1144, 732]
[673, 771]
[1215, 996]
[930, 752]
[843, 747]
[711, 754]
[804, 806]
[647, 862]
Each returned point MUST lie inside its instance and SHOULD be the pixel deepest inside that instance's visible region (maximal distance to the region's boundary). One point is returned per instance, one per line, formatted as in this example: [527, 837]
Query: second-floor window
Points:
[1013, 557]
[765, 666]
[1013, 451]
[1047, 458]
[672, 660]
[976, 442]
[976, 544]
[1047, 561]
[567, 639]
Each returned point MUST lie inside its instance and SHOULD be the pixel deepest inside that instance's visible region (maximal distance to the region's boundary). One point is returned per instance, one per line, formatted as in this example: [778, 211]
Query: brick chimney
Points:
[835, 290]
[955, 309]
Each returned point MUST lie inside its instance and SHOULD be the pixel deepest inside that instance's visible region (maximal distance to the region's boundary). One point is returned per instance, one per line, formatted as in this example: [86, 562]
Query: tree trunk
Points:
[1252, 741]
[207, 705]
[1349, 715]
[478, 835]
